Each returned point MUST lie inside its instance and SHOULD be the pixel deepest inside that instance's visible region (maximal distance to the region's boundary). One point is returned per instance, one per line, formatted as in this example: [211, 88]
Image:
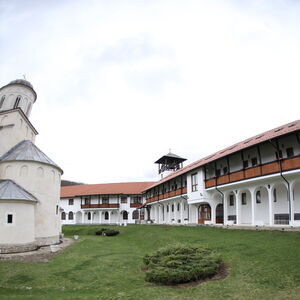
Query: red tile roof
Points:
[276, 132]
[128, 188]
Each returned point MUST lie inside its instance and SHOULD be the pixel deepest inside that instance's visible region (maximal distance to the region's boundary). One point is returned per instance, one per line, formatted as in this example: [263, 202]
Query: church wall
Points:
[21, 231]
[18, 132]
[43, 182]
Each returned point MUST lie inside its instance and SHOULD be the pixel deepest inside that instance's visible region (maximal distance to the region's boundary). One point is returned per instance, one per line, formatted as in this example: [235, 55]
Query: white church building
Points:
[29, 180]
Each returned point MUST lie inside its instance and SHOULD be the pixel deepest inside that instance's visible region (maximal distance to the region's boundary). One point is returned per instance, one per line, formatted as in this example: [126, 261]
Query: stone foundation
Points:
[46, 241]
[16, 248]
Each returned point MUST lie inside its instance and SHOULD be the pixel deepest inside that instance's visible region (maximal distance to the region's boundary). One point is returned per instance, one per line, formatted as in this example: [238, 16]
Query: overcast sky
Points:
[121, 82]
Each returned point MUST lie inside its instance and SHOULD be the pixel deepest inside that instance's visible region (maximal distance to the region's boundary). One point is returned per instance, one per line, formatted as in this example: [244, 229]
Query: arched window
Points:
[274, 195]
[106, 215]
[172, 207]
[2, 101]
[89, 215]
[178, 207]
[28, 109]
[135, 214]
[71, 215]
[258, 197]
[63, 215]
[125, 215]
[17, 101]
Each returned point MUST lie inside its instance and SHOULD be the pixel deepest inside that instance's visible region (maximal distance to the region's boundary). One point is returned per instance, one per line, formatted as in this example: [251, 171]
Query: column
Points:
[213, 213]
[159, 214]
[109, 216]
[82, 217]
[225, 209]
[292, 209]
[253, 206]
[100, 216]
[181, 213]
[238, 209]
[175, 212]
[270, 196]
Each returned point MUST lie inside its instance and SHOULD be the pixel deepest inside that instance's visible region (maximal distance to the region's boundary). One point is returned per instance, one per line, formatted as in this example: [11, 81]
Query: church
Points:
[29, 179]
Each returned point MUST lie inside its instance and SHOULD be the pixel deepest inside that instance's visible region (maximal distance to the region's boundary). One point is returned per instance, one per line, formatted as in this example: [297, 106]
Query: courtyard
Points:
[260, 265]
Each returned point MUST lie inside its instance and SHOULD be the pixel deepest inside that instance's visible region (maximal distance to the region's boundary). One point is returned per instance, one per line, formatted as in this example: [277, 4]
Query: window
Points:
[135, 214]
[244, 199]
[172, 207]
[9, 218]
[178, 207]
[125, 215]
[279, 154]
[106, 215]
[245, 164]
[225, 170]
[87, 201]
[289, 152]
[17, 101]
[218, 172]
[258, 197]
[231, 200]
[123, 200]
[275, 195]
[136, 199]
[71, 215]
[254, 161]
[167, 208]
[63, 215]
[89, 216]
[2, 101]
[57, 209]
[105, 199]
[71, 201]
[194, 182]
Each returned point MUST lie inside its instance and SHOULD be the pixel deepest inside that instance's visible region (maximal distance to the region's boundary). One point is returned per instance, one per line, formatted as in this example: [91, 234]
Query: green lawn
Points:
[262, 265]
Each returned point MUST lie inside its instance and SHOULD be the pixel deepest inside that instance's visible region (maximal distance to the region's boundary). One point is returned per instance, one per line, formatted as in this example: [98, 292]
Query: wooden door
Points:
[204, 213]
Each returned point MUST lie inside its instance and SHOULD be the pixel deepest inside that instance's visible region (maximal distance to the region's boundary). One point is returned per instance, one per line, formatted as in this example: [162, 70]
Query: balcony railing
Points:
[168, 195]
[108, 205]
[135, 204]
[287, 164]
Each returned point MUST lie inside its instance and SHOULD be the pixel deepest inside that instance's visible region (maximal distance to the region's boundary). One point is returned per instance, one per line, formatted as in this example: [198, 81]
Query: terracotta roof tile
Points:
[128, 188]
[273, 133]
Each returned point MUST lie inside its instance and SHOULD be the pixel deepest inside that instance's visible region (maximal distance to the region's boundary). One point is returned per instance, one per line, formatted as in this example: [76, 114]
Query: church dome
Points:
[22, 81]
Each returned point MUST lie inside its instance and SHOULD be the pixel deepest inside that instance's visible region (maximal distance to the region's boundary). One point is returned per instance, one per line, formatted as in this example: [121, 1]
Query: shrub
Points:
[181, 263]
[107, 232]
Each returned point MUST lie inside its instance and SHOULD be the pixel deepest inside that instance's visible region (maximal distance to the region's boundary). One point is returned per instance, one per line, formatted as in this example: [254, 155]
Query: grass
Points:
[263, 265]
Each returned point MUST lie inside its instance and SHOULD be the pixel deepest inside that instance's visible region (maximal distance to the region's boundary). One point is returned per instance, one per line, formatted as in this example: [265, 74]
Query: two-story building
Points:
[109, 203]
[254, 182]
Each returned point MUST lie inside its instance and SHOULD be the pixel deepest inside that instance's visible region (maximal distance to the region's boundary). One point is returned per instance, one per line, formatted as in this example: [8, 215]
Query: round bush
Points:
[107, 232]
[180, 264]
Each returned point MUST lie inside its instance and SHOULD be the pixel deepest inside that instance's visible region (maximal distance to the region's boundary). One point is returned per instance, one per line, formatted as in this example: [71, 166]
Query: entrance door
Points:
[219, 214]
[204, 213]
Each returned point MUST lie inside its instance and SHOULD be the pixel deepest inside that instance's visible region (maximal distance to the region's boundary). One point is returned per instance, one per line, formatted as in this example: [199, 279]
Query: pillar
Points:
[253, 206]
[238, 209]
[271, 200]
[82, 221]
[225, 209]
[181, 212]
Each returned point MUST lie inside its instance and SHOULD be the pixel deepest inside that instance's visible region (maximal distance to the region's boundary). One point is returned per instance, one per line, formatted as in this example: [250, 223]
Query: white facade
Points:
[30, 213]
[101, 209]
[257, 185]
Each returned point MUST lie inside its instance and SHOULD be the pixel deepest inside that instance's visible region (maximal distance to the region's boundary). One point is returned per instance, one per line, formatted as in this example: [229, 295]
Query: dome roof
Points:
[22, 81]
[26, 150]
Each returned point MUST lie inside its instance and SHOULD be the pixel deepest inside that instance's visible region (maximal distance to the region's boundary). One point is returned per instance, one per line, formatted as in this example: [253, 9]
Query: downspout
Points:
[288, 184]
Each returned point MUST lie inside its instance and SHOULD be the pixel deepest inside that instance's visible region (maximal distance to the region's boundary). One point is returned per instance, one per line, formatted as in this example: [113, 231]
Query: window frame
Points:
[194, 182]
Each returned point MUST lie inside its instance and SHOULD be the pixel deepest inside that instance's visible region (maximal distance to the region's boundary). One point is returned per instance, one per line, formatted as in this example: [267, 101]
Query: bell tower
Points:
[17, 94]
[169, 163]
[16, 101]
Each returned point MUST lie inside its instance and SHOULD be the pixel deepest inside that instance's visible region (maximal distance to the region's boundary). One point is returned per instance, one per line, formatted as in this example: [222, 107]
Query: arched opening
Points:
[204, 213]
[78, 217]
[219, 214]
[89, 216]
[296, 199]
[106, 216]
[245, 207]
[261, 206]
[71, 216]
[135, 215]
[63, 215]
[280, 204]
[125, 215]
